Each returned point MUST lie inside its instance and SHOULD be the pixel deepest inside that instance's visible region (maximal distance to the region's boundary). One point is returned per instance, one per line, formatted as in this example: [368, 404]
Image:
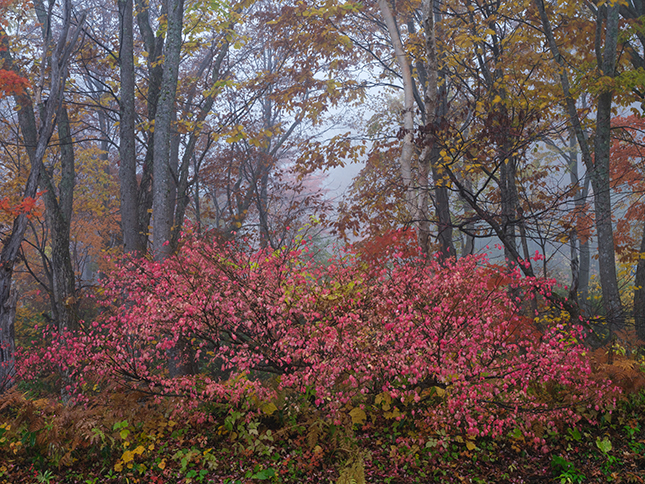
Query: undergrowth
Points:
[129, 437]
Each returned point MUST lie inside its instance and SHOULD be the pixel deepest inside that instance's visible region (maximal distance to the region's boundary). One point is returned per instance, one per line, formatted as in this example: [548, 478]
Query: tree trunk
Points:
[435, 101]
[7, 339]
[407, 148]
[36, 139]
[598, 164]
[579, 290]
[58, 213]
[154, 47]
[162, 203]
[127, 148]
[508, 191]
[600, 181]
[639, 293]
[181, 356]
[468, 231]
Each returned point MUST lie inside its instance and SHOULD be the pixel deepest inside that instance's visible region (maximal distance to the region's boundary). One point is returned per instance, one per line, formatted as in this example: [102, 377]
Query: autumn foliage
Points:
[450, 340]
[27, 206]
[11, 83]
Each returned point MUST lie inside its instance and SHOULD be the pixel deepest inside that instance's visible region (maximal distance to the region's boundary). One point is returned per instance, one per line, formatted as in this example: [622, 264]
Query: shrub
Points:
[451, 341]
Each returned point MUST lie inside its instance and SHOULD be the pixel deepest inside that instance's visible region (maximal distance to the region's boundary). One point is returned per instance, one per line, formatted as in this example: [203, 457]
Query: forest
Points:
[379, 241]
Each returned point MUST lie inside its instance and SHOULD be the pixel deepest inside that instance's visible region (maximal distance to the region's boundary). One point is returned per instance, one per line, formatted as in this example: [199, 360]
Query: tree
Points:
[162, 203]
[36, 136]
[627, 178]
[436, 106]
[596, 161]
[474, 144]
[127, 145]
[417, 188]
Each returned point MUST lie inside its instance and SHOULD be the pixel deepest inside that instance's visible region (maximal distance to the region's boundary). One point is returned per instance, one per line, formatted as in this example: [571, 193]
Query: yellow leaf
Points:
[383, 397]
[118, 466]
[358, 416]
[470, 445]
[139, 450]
[41, 403]
[269, 408]
[127, 456]
[393, 414]
[162, 464]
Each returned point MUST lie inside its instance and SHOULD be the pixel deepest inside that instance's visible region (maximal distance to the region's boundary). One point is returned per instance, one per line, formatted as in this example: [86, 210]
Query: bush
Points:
[451, 341]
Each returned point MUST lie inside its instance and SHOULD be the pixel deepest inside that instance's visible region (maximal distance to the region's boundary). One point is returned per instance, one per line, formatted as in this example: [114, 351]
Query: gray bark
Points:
[181, 357]
[162, 202]
[8, 341]
[600, 181]
[435, 101]
[469, 228]
[598, 164]
[154, 47]
[509, 206]
[58, 214]
[580, 256]
[639, 293]
[36, 138]
[127, 148]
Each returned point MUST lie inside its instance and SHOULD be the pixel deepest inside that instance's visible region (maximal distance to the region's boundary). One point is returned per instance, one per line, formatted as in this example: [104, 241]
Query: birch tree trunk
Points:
[407, 148]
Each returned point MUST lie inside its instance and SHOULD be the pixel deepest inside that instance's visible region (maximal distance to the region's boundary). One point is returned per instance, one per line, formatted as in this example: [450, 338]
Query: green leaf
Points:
[575, 435]
[120, 425]
[263, 475]
[604, 445]
[516, 434]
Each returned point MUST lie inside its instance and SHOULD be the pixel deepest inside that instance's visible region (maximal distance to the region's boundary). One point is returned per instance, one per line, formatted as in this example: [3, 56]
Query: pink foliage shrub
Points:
[450, 340]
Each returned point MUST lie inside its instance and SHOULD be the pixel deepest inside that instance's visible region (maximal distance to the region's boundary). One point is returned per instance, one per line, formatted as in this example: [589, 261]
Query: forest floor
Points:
[124, 438]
